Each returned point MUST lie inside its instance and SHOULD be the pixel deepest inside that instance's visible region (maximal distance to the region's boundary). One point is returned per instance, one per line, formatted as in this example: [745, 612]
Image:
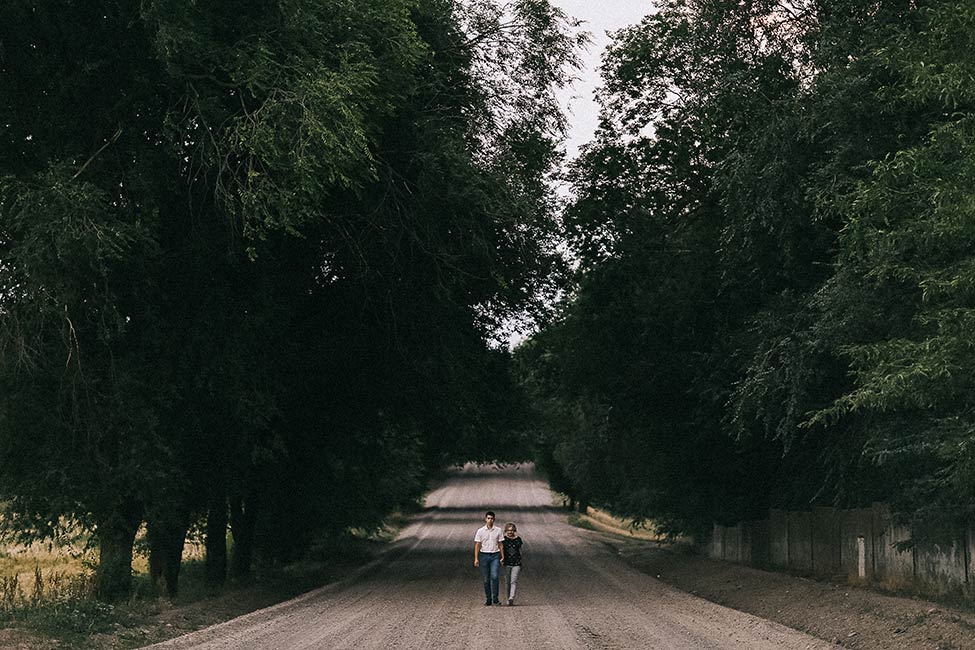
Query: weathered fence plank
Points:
[778, 533]
[941, 567]
[800, 542]
[755, 542]
[862, 544]
[826, 541]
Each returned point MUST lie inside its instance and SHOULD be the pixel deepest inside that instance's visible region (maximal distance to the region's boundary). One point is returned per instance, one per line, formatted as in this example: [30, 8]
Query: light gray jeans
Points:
[511, 579]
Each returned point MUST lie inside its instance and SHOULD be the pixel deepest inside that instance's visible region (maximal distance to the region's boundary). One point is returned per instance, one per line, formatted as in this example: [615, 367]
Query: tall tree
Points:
[906, 250]
[731, 216]
[262, 265]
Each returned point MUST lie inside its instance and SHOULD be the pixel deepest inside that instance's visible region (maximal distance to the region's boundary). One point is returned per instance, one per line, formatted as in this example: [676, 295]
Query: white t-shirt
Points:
[490, 538]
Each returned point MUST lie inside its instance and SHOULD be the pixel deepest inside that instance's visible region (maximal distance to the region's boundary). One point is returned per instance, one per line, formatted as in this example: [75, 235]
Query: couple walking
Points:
[494, 549]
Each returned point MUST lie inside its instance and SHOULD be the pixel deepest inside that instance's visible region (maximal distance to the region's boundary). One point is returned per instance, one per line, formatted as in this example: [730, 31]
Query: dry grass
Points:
[606, 522]
[30, 575]
[46, 572]
[42, 587]
[609, 523]
[46, 597]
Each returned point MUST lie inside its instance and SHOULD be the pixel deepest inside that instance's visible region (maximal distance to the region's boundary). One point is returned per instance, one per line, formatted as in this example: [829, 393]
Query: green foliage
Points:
[252, 257]
[773, 228]
[283, 101]
[909, 234]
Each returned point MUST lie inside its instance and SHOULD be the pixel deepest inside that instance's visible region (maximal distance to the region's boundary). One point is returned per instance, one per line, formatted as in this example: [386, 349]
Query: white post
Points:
[861, 557]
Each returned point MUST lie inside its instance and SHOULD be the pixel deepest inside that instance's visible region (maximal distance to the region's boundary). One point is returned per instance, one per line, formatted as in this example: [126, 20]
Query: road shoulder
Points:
[849, 616]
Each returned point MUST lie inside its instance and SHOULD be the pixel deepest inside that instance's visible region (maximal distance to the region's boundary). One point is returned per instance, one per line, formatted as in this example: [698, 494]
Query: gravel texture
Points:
[574, 591]
[850, 616]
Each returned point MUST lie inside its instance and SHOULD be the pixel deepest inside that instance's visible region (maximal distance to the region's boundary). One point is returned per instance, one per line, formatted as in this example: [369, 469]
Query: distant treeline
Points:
[775, 237]
[251, 257]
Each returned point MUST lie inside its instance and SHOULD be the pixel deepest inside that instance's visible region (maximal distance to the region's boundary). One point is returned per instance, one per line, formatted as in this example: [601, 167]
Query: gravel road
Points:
[425, 592]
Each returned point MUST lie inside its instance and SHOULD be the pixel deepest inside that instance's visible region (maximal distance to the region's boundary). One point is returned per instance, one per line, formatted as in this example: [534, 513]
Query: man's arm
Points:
[477, 550]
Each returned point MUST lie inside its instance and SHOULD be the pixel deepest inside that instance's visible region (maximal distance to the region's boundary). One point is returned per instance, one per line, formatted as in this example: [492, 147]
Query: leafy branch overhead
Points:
[252, 257]
[774, 233]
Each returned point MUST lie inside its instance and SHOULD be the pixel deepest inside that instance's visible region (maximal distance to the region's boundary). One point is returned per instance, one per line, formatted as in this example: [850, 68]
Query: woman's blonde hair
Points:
[511, 525]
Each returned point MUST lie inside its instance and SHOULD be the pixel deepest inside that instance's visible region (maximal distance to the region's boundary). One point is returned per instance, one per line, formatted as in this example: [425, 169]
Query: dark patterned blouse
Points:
[512, 551]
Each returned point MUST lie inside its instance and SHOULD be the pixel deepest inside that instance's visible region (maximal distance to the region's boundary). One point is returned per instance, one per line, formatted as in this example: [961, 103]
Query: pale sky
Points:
[600, 16]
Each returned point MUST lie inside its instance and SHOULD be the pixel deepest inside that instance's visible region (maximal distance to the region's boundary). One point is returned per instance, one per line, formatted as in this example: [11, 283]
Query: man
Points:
[488, 556]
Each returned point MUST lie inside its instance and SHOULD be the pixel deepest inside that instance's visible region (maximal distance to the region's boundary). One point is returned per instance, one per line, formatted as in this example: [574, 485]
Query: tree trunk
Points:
[243, 520]
[116, 535]
[216, 540]
[166, 540]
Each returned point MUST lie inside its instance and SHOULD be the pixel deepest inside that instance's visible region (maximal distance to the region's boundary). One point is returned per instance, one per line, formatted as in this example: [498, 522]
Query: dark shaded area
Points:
[251, 261]
[772, 282]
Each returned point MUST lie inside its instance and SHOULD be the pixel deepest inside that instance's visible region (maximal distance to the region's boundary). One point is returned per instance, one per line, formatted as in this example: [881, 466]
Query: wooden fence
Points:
[857, 544]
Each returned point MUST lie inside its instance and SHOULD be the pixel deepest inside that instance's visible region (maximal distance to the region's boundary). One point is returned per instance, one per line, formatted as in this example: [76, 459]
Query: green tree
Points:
[753, 166]
[906, 249]
[262, 265]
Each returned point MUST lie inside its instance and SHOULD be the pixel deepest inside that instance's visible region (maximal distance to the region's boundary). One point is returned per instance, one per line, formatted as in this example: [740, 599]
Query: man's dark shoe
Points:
[487, 603]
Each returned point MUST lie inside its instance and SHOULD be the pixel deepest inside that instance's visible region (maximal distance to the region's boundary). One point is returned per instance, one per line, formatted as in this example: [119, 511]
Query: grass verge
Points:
[606, 522]
[45, 617]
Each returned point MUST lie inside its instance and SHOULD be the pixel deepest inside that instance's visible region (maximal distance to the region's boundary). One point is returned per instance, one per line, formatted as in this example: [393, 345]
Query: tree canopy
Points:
[254, 263]
[772, 229]
[252, 257]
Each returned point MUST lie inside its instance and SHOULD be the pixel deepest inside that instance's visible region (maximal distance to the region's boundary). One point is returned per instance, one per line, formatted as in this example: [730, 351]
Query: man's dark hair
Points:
[489, 514]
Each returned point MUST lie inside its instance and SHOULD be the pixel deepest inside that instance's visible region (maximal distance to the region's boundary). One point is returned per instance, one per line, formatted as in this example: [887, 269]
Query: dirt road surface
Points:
[574, 592]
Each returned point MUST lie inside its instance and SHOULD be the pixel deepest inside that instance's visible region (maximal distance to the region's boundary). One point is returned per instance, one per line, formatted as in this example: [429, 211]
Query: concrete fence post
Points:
[861, 557]
[864, 544]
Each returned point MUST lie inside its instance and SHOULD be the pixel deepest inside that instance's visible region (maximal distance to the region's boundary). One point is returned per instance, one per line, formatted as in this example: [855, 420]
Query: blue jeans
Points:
[490, 565]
